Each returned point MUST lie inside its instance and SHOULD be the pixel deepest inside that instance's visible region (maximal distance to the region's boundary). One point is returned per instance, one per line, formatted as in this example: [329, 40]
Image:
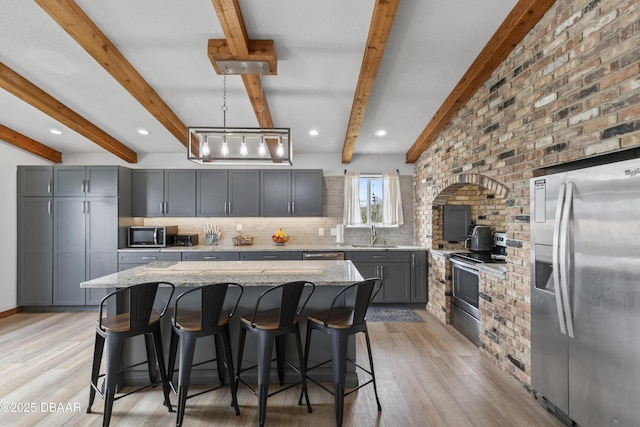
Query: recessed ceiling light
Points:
[55, 131]
[313, 132]
[381, 132]
[143, 131]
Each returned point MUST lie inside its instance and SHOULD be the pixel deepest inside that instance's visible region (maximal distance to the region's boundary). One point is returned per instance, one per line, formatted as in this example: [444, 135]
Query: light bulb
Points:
[206, 150]
[262, 150]
[243, 148]
[280, 149]
[225, 148]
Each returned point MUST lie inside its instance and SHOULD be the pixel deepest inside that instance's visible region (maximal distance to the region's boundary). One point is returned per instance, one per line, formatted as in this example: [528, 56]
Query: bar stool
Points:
[340, 322]
[134, 315]
[274, 324]
[211, 319]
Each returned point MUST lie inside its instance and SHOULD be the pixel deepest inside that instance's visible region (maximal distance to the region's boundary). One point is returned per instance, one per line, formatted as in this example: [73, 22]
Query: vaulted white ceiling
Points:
[319, 43]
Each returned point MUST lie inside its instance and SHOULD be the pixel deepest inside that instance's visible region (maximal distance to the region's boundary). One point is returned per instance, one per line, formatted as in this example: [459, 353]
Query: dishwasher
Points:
[322, 256]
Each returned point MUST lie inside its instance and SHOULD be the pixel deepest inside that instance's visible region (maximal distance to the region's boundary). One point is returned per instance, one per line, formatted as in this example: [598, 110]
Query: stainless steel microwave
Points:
[151, 236]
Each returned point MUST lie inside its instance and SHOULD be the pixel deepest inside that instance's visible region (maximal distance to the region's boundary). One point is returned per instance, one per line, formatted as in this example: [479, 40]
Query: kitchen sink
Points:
[374, 246]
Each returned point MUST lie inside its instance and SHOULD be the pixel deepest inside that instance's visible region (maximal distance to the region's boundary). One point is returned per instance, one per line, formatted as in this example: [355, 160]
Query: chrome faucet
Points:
[374, 234]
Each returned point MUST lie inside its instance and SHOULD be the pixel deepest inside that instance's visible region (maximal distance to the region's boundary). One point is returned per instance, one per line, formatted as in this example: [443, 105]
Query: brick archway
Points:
[455, 182]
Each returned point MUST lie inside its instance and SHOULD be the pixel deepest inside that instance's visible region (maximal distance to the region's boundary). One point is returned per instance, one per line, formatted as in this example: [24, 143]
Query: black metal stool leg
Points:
[115, 346]
[219, 359]
[373, 375]
[226, 340]
[339, 352]
[265, 350]
[159, 351]
[173, 353]
[303, 371]
[187, 346]
[95, 370]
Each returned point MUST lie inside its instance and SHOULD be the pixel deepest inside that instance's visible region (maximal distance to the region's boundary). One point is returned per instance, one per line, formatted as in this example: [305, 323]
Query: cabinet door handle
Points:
[149, 257]
[210, 257]
[49, 187]
[161, 207]
[87, 207]
[293, 207]
[49, 207]
[382, 272]
[166, 208]
[229, 208]
[82, 187]
[288, 207]
[225, 208]
[271, 257]
[379, 256]
[413, 260]
[86, 186]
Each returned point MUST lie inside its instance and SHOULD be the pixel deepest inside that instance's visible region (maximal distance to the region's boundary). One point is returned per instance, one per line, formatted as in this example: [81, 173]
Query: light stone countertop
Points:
[272, 247]
[246, 273]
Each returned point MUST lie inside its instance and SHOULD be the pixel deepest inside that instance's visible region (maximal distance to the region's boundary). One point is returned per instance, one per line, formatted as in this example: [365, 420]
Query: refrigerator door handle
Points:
[564, 258]
[555, 260]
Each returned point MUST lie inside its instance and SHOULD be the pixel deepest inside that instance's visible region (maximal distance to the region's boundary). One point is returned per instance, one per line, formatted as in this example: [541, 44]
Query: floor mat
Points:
[392, 314]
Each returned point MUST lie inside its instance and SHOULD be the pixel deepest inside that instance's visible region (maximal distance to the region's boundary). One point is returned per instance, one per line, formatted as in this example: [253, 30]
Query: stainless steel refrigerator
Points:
[585, 293]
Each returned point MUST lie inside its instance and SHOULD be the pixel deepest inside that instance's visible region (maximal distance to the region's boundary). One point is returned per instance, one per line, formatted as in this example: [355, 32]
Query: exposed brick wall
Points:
[569, 90]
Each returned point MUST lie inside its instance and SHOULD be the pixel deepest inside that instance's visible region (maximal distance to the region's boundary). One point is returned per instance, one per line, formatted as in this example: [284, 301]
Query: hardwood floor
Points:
[428, 375]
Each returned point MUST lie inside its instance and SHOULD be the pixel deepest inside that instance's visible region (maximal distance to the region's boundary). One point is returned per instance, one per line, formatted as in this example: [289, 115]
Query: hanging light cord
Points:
[224, 101]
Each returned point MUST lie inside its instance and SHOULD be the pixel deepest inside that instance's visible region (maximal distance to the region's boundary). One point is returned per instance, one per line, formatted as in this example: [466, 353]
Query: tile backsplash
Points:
[303, 230]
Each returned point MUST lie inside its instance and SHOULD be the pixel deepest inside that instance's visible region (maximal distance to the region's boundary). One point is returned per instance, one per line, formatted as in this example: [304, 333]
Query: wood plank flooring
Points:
[428, 375]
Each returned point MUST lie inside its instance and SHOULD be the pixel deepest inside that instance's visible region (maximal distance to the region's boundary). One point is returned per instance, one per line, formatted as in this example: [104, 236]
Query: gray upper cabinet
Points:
[223, 192]
[244, 192]
[98, 181]
[212, 190]
[158, 192]
[455, 222]
[35, 181]
[291, 193]
[275, 193]
[306, 189]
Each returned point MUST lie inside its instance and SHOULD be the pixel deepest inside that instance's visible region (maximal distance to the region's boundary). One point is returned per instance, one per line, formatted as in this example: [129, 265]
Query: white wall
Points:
[11, 157]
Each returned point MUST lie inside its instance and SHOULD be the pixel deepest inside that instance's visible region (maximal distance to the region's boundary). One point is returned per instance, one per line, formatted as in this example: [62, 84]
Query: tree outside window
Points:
[371, 199]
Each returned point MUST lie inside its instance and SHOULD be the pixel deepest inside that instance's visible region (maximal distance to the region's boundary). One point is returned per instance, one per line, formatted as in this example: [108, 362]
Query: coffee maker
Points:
[480, 240]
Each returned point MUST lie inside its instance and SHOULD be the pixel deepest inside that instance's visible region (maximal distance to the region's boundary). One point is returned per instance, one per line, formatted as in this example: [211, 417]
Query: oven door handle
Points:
[464, 266]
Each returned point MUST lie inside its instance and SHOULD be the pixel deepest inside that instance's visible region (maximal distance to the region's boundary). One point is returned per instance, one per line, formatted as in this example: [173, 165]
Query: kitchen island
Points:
[255, 276]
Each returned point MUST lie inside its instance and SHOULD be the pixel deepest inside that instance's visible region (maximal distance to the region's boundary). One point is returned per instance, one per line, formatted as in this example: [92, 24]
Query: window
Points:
[370, 190]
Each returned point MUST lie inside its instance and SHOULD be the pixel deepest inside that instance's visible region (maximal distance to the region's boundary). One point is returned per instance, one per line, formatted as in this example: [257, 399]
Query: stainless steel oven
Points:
[465, 315]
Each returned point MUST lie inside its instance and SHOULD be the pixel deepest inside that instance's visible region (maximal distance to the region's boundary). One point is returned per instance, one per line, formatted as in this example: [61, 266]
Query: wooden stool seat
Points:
[339, 318]
[120, 322]
[267, 319]
[192, 321]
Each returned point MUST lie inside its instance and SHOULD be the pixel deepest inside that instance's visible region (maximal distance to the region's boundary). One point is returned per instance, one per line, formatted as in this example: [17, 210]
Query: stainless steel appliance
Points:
[145, 236]
[480, 239]
[185, 240]
[585, 293]
[465, 315]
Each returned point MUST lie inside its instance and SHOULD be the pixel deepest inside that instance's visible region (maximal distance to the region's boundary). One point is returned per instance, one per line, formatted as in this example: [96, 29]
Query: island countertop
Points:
[246, 273]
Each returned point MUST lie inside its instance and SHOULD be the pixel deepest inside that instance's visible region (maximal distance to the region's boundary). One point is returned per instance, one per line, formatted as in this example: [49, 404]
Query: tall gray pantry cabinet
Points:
[80, 221]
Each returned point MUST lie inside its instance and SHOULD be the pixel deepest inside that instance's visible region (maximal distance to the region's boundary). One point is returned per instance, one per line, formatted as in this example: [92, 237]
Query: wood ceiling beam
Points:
[32, 146]
[384, 13]
[85, 32]
[14, 83]
[522, 18]
[237, 46]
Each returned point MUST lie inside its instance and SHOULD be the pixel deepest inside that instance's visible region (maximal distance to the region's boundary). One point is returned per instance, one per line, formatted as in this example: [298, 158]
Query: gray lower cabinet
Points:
[291, 193]
[419, 276]
[35, 250]
[393, 267]
[163, 192]
[270, 255]
[130, 259]
[85, 246]
[210, 256]
[222, 192]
